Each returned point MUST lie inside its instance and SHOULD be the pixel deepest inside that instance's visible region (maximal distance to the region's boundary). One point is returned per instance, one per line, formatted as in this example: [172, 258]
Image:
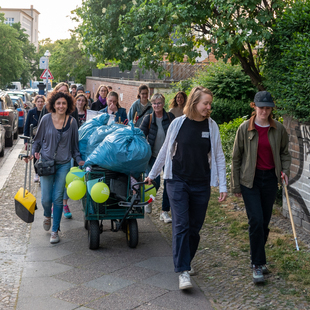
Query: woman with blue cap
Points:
[260, 154]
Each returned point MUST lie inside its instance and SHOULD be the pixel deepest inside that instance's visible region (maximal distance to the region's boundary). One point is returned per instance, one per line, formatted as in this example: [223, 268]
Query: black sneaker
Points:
[258, 276]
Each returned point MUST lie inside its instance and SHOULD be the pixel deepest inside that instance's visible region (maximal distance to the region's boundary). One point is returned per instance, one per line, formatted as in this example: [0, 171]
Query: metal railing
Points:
[174, 72]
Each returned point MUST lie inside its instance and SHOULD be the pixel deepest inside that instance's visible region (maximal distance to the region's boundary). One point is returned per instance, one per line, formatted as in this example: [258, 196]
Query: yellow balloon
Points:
[100, 192]
[76, 190]
[148, 193]
[72, 177]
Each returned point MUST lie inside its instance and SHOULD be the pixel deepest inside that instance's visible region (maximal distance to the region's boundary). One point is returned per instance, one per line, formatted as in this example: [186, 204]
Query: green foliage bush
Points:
[225, 110]
[287, 61]
[225, 81]
[228, 133]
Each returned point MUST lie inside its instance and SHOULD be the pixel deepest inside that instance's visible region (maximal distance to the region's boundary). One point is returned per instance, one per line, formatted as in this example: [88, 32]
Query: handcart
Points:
[124, 206]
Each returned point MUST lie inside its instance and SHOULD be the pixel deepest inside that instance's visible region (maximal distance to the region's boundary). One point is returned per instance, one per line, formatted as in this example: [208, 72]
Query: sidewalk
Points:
[70, 276]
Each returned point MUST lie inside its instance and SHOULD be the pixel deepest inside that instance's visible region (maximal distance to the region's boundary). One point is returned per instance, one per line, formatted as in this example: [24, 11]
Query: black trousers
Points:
[259, 202]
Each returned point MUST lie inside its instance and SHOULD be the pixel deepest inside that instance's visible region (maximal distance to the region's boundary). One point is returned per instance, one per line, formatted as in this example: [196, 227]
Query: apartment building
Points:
[28, 18]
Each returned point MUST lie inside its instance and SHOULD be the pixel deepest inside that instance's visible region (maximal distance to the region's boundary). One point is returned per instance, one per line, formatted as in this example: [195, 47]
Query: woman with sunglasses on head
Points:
[90, 100]
[194, 161]
[260, 153]
[155, 128]
[101, 97]
[33, 117]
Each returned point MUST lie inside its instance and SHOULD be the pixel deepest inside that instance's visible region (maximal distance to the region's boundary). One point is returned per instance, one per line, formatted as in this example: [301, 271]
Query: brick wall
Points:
[126, 89]
[299, 183]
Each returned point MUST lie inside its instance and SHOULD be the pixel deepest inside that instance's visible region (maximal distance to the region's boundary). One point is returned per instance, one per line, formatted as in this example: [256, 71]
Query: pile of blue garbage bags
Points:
[116, 147]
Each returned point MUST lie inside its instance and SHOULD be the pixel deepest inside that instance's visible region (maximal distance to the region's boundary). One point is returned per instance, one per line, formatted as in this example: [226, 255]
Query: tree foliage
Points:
[287, 66]
[30, 62]
[146, 31]
[67, 57]
[11, 55]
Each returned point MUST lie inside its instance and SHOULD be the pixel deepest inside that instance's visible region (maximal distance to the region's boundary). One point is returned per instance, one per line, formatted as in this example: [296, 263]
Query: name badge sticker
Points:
[205, 134]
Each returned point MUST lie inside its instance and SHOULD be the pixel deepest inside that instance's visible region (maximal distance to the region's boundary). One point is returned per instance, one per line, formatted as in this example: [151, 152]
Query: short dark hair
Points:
[142, 87]
[73, 86]
[52, 99]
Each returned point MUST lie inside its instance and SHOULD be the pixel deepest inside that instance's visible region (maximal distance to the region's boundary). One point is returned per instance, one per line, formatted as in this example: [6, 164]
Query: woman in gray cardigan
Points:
[56, 128]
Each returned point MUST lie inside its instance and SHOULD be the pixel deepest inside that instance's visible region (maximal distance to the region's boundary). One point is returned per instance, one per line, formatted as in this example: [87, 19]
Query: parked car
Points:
[22, 112]
[25, 97]
[32, 91]
[8, 112]
[2, 136]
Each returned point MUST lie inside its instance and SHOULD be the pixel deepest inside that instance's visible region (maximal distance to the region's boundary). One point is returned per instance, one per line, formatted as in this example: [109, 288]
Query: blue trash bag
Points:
[125, 150]
[98, 136]
[88, 128]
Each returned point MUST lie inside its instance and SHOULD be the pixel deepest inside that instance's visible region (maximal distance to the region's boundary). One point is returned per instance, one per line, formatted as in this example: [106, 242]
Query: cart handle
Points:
[142, 183]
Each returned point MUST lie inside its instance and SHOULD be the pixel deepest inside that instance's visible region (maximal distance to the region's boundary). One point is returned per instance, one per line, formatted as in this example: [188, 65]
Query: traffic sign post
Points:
[46, 74]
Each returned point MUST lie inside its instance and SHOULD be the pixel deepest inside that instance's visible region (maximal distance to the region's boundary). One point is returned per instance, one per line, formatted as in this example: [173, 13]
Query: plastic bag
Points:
[98, 136]
[87, 129]
[124, 150]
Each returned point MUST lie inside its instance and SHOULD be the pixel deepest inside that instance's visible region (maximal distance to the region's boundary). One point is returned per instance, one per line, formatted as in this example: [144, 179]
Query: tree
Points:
[30, 62]
[148, 30]
[11, 55]
[67, 57]
[287, 61]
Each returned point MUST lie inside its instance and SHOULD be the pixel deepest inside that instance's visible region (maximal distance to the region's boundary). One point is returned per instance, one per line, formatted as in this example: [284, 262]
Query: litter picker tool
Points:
[290, 212]
[25, 202]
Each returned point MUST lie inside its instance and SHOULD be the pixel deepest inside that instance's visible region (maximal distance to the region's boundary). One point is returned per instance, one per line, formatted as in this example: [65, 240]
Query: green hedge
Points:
[287, 61]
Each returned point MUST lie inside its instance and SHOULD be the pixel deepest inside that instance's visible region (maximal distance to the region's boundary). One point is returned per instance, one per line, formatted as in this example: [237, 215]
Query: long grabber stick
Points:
[290, 212]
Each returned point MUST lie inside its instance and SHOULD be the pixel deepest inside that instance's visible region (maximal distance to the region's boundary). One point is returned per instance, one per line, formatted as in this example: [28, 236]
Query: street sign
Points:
[46, 74]
[43, 63]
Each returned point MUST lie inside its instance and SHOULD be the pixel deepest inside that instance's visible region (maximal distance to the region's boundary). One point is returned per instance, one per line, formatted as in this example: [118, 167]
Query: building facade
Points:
[28, 18]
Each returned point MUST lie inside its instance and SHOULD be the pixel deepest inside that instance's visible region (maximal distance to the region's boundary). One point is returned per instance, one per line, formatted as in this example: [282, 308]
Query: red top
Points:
[264, 153]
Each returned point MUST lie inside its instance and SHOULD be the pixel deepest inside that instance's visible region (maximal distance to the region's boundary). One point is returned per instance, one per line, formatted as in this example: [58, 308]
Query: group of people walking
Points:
[186, 145]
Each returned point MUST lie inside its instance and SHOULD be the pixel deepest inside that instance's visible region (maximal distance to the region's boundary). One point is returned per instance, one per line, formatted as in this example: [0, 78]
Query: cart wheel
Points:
[132, 234]
[124, 227]
[93, 235]
[86, 224]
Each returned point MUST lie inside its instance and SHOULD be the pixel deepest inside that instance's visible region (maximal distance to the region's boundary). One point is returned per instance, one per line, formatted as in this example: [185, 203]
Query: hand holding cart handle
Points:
[284, 178]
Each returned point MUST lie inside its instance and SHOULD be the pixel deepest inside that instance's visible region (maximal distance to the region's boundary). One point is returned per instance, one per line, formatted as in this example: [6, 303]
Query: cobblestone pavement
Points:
[14, 235]
[224, 272]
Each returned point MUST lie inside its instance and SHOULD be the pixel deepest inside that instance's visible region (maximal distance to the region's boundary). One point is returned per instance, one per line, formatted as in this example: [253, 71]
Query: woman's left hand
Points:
[81, 163]
[223, 196]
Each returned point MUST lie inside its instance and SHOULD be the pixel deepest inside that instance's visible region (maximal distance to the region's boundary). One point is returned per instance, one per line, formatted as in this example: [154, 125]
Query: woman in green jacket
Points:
[260, 154]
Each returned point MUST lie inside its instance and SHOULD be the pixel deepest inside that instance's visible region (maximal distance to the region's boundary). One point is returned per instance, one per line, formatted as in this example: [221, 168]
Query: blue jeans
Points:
[189, 203]
[52, 191]
[259, 202]
[165, 201]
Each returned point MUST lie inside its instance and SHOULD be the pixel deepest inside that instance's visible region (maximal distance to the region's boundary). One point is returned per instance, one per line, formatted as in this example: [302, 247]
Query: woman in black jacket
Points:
[155, 128]
[101, 97]
[33, 117]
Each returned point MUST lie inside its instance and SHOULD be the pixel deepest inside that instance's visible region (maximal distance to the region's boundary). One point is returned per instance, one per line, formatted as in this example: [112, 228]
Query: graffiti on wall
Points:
[303, 135]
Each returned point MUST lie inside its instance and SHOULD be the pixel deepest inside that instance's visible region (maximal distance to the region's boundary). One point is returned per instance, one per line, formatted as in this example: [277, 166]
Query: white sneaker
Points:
[164, 216]
[148, 208]
[192, 272]
[36, 178]
[185, 281]
[47, 223]
[54, 237]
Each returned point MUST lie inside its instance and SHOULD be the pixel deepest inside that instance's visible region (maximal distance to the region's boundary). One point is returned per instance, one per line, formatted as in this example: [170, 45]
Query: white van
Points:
[15, 86]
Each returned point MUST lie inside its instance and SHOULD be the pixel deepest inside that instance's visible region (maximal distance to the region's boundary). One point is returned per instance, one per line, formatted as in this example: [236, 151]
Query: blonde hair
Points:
[61, 84]
[158, 96]
[194, 97]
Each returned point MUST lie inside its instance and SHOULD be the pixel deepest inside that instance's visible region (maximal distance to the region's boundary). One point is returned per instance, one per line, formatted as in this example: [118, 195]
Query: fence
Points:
[174, 72]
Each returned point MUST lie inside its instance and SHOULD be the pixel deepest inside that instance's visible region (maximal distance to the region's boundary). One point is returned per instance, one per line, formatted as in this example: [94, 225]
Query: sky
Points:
[54, 18]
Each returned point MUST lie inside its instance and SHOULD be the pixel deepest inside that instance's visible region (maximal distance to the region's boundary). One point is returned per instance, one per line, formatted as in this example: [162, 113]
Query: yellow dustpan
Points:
[25, 202]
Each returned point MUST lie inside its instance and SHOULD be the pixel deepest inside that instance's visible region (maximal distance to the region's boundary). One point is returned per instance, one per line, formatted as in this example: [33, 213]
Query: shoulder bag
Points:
[45, 168]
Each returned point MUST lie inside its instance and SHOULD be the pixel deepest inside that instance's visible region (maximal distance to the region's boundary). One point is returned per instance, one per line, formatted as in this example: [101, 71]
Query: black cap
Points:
[263, 99]
[80, 88]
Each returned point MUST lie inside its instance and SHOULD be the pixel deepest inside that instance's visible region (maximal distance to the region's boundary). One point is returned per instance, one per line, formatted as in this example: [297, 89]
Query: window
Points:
[9, 21]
